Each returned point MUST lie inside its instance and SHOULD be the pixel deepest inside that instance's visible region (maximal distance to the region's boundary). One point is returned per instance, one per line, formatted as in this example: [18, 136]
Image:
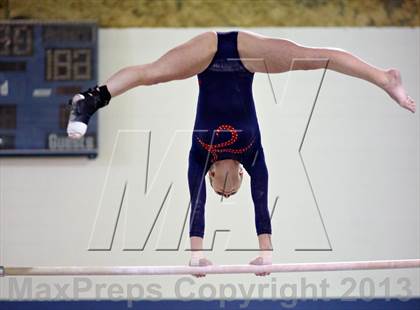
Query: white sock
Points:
[76, 130]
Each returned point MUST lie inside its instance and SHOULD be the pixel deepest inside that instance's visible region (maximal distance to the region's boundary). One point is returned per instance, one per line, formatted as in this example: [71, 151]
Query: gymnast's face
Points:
[226, 177]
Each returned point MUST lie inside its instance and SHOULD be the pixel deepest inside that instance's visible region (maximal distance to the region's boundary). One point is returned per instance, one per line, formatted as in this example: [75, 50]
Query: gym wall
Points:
[228, 13]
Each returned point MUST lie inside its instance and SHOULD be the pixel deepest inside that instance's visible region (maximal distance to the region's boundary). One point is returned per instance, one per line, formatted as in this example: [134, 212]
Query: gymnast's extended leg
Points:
[181, 62]
[282, 55]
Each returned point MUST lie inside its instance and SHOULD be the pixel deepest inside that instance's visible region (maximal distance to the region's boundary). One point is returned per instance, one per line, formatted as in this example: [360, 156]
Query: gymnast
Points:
[226, 137]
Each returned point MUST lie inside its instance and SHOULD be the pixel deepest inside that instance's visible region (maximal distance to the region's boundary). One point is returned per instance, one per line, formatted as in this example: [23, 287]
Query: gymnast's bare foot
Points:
[397, 92]
[201, 262]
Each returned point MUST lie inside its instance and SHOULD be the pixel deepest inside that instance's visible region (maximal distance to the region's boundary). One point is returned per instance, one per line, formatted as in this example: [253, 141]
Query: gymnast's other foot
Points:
[397, 92]
[200, 262]
[83, 106]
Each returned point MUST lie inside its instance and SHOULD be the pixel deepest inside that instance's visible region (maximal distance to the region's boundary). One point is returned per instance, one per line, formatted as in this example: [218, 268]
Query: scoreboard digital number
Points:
[42, 65]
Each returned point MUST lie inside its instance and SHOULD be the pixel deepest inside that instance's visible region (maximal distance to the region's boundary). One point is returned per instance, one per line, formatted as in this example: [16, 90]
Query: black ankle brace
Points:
[104, 94]
[101, 94]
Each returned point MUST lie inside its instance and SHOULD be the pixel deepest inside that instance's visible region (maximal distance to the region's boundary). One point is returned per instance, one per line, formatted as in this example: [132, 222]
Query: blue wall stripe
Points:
[377, 304]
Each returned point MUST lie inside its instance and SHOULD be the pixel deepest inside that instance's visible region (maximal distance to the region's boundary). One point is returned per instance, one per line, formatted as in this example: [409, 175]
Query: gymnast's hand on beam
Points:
[199, 262]
[263, 259]
[266, 253]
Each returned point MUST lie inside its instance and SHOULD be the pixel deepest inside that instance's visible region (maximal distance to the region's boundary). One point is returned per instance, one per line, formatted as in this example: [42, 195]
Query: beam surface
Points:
[214, 269]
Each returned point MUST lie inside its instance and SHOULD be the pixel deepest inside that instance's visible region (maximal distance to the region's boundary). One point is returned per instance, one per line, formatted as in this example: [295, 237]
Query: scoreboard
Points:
[42, 65]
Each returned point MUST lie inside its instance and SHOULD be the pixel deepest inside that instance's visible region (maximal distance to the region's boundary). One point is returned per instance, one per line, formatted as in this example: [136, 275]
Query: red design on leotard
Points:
[221, 147]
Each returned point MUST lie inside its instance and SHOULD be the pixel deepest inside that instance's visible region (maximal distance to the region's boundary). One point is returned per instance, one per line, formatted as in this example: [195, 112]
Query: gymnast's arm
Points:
[258, 173]
[197, 186]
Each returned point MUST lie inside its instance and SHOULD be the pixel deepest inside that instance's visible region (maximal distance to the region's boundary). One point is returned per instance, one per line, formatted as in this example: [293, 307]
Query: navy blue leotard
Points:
[226, 127]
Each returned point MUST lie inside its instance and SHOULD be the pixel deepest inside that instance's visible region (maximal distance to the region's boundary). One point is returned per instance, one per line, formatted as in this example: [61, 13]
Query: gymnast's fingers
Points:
[261, 261]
